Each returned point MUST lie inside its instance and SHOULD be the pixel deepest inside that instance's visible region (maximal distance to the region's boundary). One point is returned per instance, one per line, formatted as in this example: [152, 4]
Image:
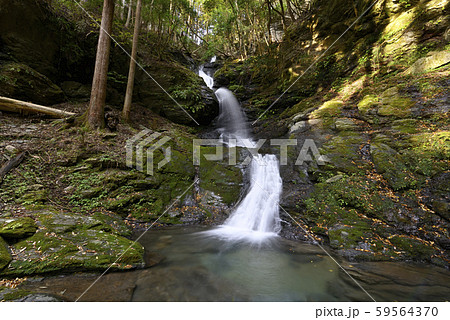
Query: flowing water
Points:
[209, 81]
[256, 218]
[195, 267]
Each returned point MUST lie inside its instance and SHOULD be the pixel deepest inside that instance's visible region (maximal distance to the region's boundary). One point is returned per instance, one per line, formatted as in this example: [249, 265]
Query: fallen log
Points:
[11, 164]
[12, 105]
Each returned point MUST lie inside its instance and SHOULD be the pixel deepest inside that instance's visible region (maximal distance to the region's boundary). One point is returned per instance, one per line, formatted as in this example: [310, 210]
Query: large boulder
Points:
[20, 81]
[68, 242]
[17, 228]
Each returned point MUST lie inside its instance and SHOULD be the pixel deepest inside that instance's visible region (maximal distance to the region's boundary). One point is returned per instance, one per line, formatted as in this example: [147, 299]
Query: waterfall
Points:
[258, 211]
[208, 80]
[231, 121]
[257, 216]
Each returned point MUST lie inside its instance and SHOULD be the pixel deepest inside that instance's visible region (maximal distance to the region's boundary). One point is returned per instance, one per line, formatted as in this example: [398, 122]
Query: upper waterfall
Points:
[232, 121]
[208, 80]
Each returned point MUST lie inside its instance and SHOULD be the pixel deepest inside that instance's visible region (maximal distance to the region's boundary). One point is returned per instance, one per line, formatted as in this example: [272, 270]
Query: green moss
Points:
[432, 61]
[415, 249]
[391, 165]
[5, 256]
[18, 228]
[405, 126]
[328, 109]
[367, 103]
[35, 197]
[76, 250]
[16, 294]
[219, 177]
[394, 105]
[342, 151]
[349, 236]
[297, 108]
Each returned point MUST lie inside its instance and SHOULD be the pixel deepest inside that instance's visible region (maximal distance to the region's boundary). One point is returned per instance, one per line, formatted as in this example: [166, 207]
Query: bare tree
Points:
[130, 11]
[131, 73]
[95, 114]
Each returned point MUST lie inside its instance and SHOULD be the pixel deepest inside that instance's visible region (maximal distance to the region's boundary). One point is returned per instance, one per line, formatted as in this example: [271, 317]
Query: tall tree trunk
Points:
[130, 85]
[95, 117]
[130, 12]
[269, 20]
[283, 17]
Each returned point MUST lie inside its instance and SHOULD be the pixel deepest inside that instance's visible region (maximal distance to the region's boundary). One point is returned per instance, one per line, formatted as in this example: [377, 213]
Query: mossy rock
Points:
[14, 294]
[433, 60]
[342, 152]
[368, 103]
[115, 223]
[394, 105]
[345, 124]
[390, 164]
[408, 126]
[414, 248]
[221, 178]
[17, 228]
[35, 197]
[61, 222]
[21, 82]
[328, 109]
[348, 237]
[5, 256]
[90, 250]
[433, 144]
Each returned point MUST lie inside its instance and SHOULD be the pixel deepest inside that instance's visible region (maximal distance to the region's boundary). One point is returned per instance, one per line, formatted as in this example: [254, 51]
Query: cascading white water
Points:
[231, 121]
[208, 80]
[257, 216]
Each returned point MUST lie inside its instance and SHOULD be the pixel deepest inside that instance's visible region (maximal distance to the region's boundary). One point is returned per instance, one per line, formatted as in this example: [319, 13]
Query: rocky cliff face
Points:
[376, 106]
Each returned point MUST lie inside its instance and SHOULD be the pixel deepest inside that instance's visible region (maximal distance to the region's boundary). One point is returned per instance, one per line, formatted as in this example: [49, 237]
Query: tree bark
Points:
[283, 17]
[95, 117]
[130, 10]
[13, 105]
[269, 20]
[11, 164]
[131, 73]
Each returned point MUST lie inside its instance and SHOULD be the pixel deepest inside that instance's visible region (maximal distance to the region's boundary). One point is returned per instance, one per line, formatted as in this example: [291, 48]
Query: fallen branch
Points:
[11, 164]
[12, 105]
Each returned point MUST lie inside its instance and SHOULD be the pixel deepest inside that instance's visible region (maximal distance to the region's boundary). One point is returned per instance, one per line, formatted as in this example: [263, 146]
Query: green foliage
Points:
[191, 93]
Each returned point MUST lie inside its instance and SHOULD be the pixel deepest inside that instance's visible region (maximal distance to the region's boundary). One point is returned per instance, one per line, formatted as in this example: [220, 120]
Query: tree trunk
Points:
[269, 20]
[130, 85]
[95, 117]
[130, 10]
[283, 17]
[11, 164]
[13, 105]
